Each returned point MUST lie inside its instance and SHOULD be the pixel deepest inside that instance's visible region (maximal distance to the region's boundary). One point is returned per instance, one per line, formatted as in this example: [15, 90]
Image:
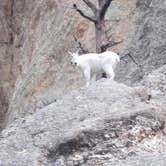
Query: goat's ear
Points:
[70, 53]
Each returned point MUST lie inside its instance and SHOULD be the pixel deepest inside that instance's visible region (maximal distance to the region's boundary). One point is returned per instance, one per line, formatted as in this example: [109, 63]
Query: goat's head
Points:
[73, 59]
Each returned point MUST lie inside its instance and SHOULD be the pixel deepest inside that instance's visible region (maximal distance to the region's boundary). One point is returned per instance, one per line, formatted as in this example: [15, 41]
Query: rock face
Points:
[40, 33]
[50, 120]
[107, 124]
[148, 44]
[5, 61]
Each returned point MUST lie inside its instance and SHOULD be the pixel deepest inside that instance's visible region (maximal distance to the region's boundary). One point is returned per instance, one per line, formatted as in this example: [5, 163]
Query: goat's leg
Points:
[109, 72]
[93, 79]
[87, 76]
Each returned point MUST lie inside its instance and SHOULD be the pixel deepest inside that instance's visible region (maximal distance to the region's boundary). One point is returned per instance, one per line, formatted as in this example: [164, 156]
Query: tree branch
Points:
[133, 60]
[110, 44]
[80, 46]
[104, 4]
[83, 15]
[90, 5]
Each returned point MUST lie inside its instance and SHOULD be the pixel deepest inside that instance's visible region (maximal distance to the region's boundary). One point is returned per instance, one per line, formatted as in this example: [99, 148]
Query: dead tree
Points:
[98, 18]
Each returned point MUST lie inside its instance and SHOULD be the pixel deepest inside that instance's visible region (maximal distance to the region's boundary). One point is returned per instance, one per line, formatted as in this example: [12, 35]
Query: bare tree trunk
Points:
[101, 39]
[98, 19]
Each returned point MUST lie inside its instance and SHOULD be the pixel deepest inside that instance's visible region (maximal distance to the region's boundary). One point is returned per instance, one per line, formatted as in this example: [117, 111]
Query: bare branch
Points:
[110, 44]
[83, 15]
[133, 60]
[104, 6]
[90, 5]
[80, 46]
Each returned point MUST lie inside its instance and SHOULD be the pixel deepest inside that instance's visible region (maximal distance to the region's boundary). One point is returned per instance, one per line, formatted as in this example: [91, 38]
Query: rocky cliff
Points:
[39, 34]
[107, 124]
[42, 33]
[48, 118]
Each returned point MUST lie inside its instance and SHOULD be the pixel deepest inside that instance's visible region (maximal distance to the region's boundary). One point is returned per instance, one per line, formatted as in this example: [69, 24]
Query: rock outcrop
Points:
[35, 69]
[42, 33]
[106, 124]
[46, 118]
[148, 45]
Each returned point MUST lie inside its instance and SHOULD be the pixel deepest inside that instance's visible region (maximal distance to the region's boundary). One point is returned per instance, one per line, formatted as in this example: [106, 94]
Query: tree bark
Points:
[101, 38]
[98, 19]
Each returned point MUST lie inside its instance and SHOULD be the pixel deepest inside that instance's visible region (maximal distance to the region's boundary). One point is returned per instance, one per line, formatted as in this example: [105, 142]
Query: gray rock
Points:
[36, 70]
[105, 124]
[109, 123]
[148, 45]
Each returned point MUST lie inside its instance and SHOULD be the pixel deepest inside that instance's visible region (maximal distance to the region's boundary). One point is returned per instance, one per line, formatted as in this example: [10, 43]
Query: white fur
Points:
[93, 64]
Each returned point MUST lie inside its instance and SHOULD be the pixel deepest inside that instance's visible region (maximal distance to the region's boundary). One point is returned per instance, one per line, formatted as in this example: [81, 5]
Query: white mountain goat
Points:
[93, 64]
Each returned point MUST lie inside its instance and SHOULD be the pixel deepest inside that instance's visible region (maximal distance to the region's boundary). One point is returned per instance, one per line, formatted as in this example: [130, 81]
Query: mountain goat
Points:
[93, 64]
